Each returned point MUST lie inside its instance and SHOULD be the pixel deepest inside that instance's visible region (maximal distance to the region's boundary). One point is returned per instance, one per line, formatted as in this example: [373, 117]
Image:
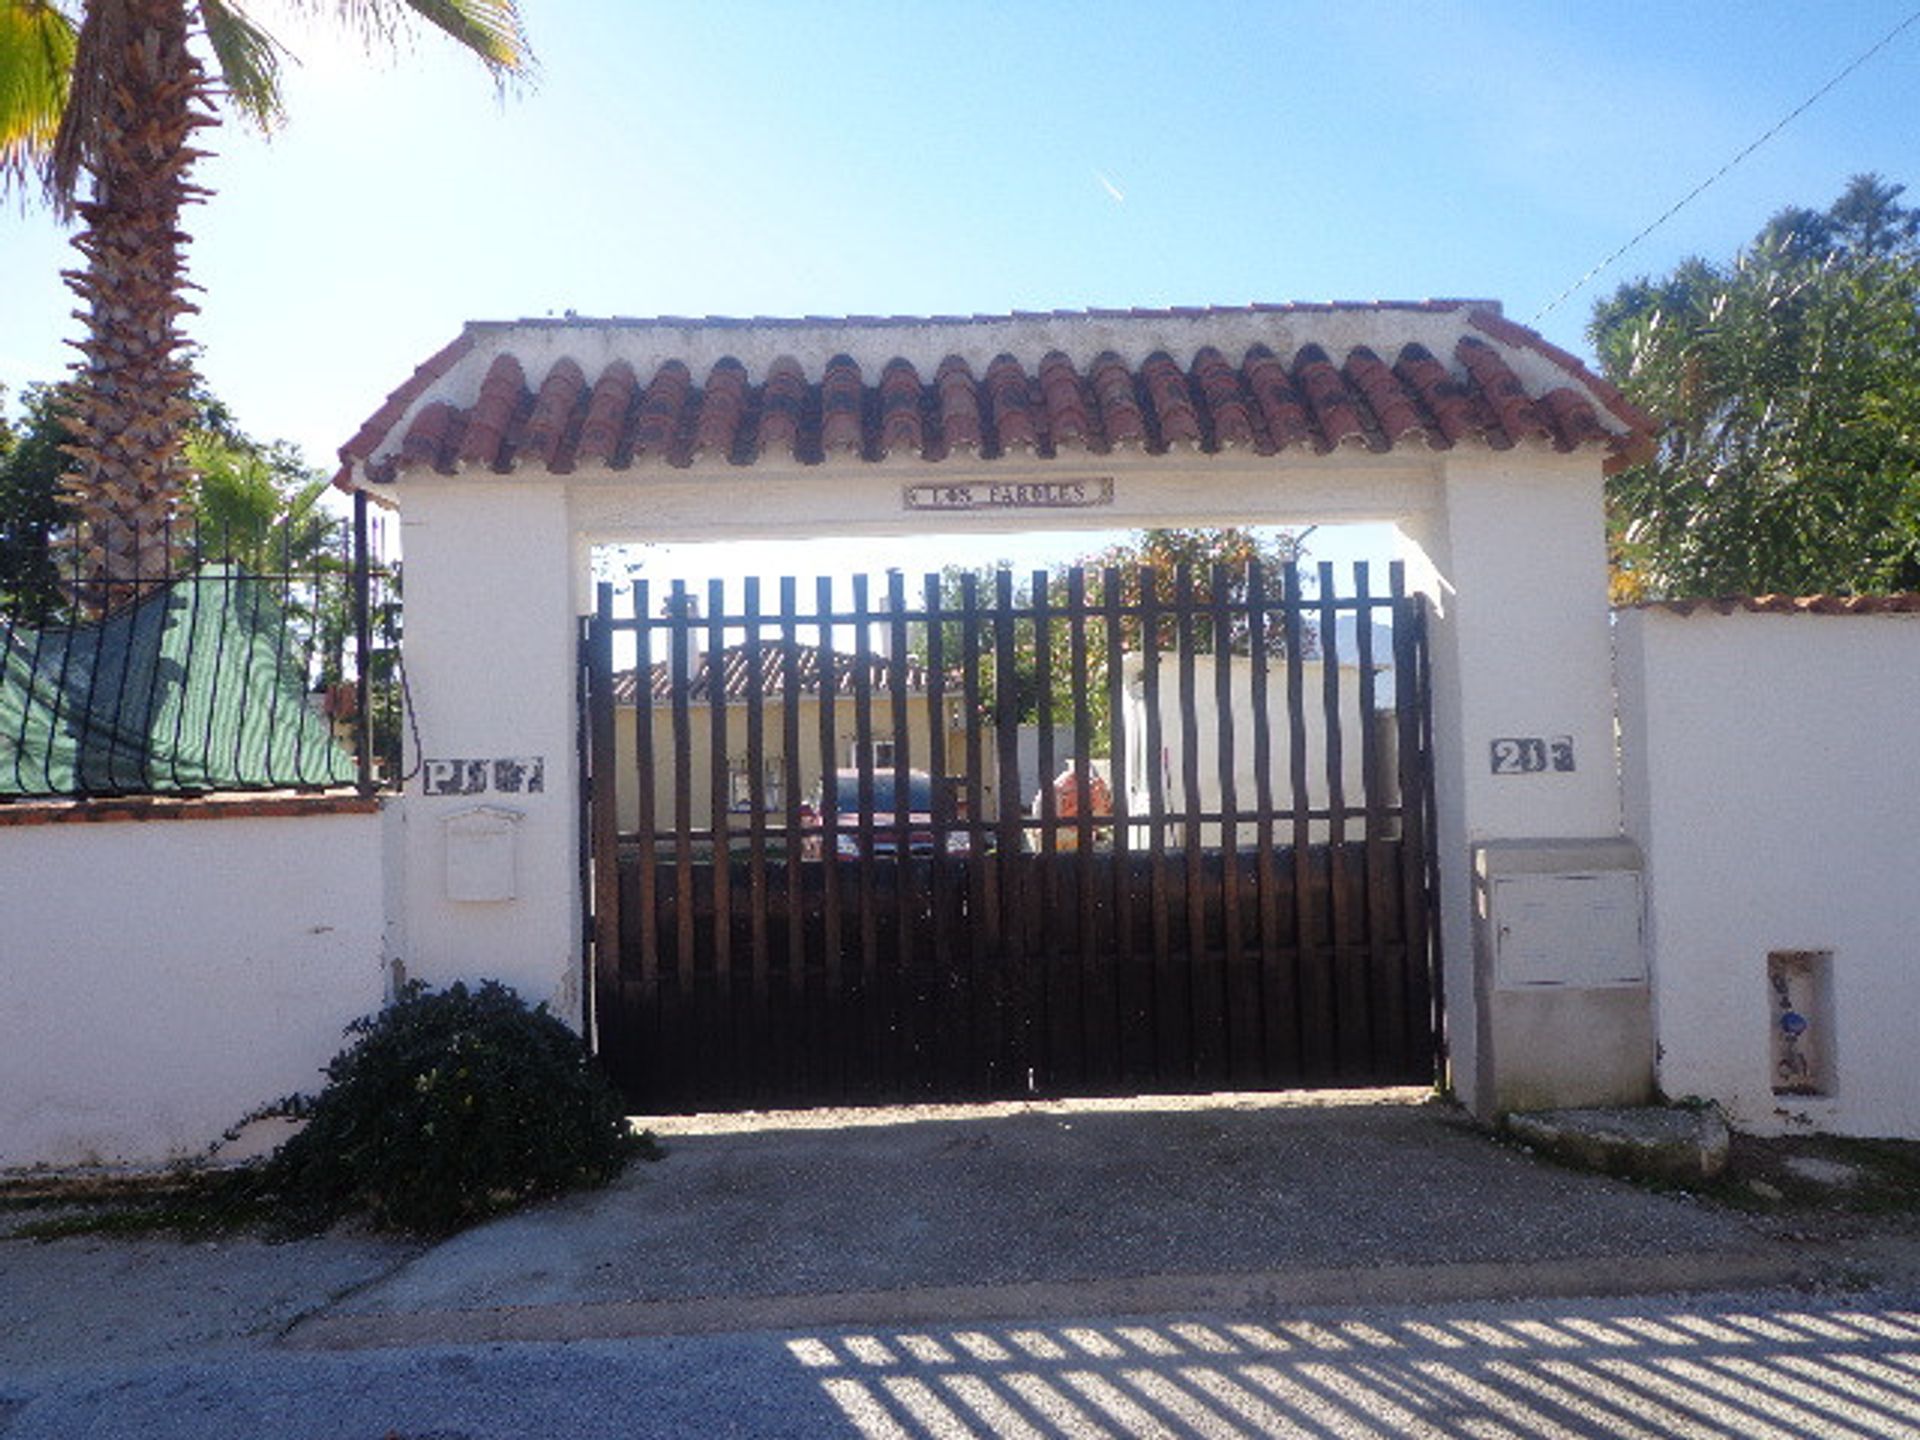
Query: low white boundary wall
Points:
[160, 978]
[1772, 771]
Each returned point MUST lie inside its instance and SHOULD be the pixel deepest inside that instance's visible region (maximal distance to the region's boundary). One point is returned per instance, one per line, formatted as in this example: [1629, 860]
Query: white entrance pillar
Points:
[1527, 791]
[491, 876]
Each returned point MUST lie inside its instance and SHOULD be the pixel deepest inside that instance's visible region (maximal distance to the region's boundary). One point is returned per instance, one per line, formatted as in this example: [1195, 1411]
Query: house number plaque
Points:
[1532, 754]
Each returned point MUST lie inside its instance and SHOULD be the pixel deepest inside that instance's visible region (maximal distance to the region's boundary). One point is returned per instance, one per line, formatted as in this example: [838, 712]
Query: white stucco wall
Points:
[491, 664]
[1510, 544]
[161, 979]
[1771, 782]
[1513, 553]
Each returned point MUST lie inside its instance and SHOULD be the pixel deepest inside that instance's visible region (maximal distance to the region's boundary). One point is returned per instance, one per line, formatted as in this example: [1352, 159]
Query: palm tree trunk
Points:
[132, 387]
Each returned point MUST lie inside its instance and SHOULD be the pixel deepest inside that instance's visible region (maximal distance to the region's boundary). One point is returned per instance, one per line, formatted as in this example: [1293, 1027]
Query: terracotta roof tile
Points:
[783, 404]
[553, 416]
[433, 436]
[1518, 419]
[902, 429]
[380, 424]
[1011, 405]
[661, 407]
[959, 406]
[1395, 411]
[1454, 407]
[507, 397]
[1334, 414]
[1279, 399]
[1113, 391]
[842, 428]
[1903, 604]
[493, 414]
[607, 409]
[1224, 399]
[1067, 400]
[722, 409]
[1166, 387]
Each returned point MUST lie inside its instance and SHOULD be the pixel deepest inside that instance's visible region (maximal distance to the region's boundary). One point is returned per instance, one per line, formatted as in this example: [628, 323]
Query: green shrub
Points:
[448, 1107]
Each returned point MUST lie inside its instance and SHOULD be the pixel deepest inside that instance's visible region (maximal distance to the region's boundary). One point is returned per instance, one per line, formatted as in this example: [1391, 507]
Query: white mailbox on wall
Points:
[482, 863]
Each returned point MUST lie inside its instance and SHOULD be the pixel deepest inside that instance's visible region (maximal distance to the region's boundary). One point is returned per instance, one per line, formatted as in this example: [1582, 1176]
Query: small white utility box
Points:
[482, 860]
[1560, 971]
[1562, 912]
[1574, 927]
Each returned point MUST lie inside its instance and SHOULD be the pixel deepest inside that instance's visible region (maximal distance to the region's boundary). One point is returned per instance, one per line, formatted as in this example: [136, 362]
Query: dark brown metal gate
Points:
[1251, 907]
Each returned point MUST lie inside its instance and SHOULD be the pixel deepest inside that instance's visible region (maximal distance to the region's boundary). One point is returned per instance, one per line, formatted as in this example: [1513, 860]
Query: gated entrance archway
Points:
[1226, 885]
[523, 444]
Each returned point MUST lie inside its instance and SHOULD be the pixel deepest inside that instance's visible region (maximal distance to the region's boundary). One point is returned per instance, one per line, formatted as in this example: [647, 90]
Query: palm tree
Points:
[99, 102]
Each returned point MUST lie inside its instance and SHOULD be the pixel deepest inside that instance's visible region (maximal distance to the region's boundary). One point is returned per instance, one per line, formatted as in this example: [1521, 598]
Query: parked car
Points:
[840, 797]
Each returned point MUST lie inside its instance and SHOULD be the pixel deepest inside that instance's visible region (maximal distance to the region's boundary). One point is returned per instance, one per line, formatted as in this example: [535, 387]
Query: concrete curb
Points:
[1253, 1292]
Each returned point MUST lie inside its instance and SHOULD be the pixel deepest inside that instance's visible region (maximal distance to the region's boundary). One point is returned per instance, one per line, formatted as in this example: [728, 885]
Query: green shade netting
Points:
[199, 686]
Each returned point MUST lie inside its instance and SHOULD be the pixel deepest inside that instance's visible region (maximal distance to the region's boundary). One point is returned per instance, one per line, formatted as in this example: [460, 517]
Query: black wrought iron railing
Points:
[240, 664]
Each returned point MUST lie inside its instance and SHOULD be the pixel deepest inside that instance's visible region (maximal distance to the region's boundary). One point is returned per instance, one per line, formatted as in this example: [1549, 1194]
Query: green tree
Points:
[31, 463]
[1035, 698]
[99, 104]
[1788, 383]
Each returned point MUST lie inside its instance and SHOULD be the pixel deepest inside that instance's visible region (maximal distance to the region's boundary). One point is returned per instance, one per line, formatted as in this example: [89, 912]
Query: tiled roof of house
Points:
[1908, 604]
[556, 396]
[736, 675]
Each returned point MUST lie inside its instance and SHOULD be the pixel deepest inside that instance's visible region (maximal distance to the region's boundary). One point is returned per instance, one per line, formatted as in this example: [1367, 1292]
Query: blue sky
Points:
[853, 157]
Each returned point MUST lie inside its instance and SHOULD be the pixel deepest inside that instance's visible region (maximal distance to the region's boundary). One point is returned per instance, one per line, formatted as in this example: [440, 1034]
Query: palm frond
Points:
[249, 60]
[98, 52]
[489, 29]
[37, 41]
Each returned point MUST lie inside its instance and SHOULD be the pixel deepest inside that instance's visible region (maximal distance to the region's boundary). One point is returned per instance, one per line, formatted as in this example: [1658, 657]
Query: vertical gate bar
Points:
[1312, 1003]
[679, 1024]
[943, 1055]
[1383, 1002]
[722, 1019]
[1169, 1054]
[1087, 983]
[1241, 1010]
[362, 645]
[584, 843]
[1041, 939]
[833, 1004]
[1412, 832]
[35, 679]
[1432, 969]
[1125, 968]
[601, 997]
[1277, 1054]
[645, 1018]
[1349, 983]
[790, 1010]
[982, 899]
[903, 1016]
[1408, 767]
[760, 1031]
[869, 1046]
[1203, 1014]
[1010, 996]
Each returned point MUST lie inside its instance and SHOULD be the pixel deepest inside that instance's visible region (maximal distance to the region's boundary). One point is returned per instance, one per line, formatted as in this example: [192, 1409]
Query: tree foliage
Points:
[1788, 383]
[100, 101]
[1037, 684]
[256, 503]
[31, 463]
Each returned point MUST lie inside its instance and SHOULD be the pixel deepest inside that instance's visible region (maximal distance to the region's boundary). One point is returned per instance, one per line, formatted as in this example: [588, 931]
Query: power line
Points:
[1695, 193]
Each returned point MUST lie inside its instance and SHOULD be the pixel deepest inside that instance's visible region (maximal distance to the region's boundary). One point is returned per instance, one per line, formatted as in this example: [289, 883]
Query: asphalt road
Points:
[1358, 1265]
[1764, 1365]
